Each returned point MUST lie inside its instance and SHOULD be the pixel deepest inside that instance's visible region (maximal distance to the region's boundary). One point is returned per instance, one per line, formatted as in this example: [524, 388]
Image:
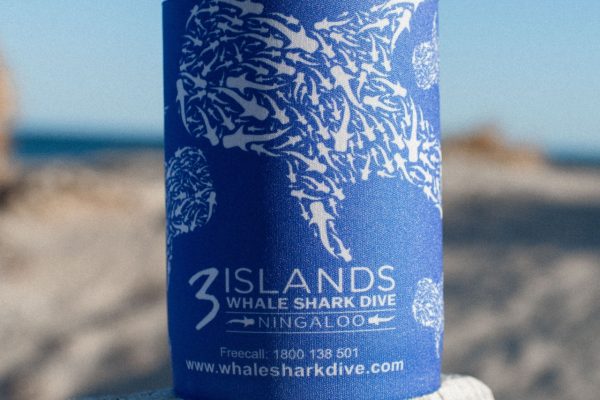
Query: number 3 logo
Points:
[210, 274]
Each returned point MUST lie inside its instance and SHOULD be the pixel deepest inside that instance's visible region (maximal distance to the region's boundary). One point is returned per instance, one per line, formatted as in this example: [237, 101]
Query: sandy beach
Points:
[82, 267]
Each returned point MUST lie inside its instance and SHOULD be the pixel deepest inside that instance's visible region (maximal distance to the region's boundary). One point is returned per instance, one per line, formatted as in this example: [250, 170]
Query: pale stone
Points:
[454, 387]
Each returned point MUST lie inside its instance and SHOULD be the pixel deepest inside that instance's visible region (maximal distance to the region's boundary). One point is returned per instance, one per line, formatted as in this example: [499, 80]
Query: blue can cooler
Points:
[303, 182]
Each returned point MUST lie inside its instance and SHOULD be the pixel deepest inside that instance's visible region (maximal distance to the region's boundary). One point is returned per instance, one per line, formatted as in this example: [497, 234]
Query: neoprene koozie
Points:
[303, 198]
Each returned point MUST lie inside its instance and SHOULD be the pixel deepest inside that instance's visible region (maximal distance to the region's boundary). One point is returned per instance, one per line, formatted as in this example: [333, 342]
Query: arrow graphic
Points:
[245, 321]
[377, 320]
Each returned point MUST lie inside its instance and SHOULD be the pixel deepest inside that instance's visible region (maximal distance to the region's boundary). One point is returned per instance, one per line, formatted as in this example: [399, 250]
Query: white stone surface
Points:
[454, 387]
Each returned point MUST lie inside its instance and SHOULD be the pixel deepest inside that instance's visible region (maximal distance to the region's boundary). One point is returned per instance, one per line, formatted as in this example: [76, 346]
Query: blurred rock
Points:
[488, 142]
[7, 112]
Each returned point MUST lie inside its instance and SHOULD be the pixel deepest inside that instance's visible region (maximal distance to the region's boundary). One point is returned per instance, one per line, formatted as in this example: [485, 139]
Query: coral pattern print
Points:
[428, 308]
[191, 198]
[321, 99]
[304, 209]
[426, 61]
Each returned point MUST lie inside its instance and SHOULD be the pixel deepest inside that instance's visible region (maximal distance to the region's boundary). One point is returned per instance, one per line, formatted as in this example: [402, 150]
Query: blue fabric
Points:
[303, 198]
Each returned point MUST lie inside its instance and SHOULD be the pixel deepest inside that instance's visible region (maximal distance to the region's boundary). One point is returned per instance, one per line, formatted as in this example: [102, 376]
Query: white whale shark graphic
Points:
[322, 99]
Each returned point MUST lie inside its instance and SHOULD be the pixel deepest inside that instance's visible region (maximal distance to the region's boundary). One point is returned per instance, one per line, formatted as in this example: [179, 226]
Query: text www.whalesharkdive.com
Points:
[284, 370]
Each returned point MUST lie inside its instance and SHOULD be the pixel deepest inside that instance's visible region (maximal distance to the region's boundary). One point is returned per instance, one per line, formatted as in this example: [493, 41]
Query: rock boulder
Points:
[7, 113]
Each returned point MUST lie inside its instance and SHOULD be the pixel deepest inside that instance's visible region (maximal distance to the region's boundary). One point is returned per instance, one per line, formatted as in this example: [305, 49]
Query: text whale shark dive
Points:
[322, 99]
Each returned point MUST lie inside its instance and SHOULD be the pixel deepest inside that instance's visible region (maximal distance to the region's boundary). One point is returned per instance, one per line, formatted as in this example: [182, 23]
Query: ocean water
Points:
[40, 146]
[574, 160]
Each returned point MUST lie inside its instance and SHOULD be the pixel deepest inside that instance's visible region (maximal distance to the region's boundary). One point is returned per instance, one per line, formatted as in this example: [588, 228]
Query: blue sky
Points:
[96, 65]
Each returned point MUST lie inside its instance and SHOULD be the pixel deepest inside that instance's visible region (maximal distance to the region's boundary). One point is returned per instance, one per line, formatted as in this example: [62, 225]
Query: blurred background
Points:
[82, 264]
